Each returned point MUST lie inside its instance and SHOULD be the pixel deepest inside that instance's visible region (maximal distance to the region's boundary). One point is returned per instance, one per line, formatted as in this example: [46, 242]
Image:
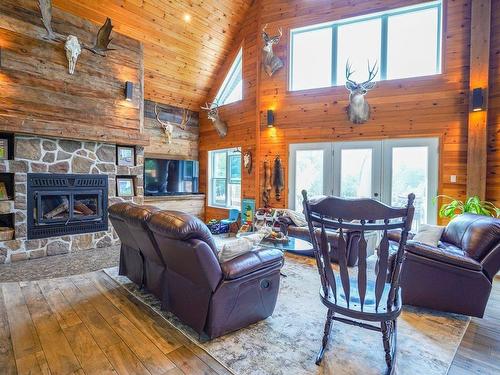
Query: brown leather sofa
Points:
[180, 264]
[457, 275]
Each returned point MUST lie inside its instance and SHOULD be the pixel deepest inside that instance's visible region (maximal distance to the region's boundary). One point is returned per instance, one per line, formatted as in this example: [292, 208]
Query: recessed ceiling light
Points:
[187, 18]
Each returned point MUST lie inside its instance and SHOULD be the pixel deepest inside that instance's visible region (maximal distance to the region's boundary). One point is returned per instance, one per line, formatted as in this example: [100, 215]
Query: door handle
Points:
[375, 195]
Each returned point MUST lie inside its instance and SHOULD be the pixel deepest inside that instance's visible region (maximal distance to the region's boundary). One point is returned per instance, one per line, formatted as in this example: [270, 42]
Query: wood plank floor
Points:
[479, 351]
[88, 325]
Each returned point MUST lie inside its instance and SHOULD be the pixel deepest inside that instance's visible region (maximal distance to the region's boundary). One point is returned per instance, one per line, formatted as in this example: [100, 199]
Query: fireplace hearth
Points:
[64, 204]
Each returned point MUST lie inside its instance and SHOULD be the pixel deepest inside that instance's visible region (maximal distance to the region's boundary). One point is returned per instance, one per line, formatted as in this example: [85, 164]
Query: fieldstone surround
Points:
[44, 155]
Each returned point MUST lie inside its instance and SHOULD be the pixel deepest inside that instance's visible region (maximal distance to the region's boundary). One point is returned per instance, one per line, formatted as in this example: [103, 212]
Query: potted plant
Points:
[473, 205]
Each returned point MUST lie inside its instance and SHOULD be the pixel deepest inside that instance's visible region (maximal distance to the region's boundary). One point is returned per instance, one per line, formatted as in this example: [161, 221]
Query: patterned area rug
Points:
[287, 342]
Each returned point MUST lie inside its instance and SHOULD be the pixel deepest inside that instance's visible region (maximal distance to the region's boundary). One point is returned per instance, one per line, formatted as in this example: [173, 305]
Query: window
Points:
[224, 176]
[405, 42]
[232, 88]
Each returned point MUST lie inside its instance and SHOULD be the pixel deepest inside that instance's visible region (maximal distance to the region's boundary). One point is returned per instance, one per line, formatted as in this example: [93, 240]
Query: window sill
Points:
[222, 207]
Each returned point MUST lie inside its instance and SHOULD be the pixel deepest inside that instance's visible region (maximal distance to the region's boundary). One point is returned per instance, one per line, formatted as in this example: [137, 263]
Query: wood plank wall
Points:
[493, 170]
[240, 116]
[417, 107]
[39, 96]
[184, 141]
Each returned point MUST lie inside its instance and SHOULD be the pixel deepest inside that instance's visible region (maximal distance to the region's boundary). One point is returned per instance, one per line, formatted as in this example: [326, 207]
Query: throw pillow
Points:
[429, 234]
[235, 248]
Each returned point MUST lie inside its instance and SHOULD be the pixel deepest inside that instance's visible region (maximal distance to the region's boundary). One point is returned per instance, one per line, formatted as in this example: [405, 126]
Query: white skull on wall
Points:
[73, 50]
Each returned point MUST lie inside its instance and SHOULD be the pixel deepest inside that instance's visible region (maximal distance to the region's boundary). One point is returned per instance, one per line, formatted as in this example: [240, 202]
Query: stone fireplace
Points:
[57, 185]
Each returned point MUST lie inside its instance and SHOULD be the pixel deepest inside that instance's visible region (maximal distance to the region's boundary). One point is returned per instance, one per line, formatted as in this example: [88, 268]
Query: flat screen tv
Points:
[170, 177]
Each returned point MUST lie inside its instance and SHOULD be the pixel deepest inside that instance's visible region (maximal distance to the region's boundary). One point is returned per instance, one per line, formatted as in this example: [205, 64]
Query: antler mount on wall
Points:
[72, 45]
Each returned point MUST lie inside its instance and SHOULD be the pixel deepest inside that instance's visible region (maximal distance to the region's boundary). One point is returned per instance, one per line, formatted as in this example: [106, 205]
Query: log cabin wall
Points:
[40, 97]
[240, 116]
[493, 170]
[434, 106]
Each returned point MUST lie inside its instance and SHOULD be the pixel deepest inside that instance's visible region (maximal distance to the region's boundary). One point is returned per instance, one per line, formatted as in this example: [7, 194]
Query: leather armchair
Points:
[174, 255]
[457, 275]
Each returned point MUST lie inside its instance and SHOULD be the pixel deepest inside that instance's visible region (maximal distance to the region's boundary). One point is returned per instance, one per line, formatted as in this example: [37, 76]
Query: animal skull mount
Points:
[213, 115]
[73, 50]
[71, 44]
[358, 109]
[271, 62]
[168, 127]
[247, 161]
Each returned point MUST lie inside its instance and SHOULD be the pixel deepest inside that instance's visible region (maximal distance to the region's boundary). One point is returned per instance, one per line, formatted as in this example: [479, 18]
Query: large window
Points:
[224, 176]
[231, 89]
[405, 42]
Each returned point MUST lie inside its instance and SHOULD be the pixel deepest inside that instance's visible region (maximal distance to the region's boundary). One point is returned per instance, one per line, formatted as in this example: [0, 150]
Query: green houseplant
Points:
[472, 205]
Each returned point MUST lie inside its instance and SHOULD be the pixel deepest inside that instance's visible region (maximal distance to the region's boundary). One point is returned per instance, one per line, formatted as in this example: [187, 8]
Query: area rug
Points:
[287, 342]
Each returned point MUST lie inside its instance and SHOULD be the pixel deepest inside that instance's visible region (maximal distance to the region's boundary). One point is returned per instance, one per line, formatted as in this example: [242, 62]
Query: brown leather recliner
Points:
[457, 275]
[180, 266]
[210, 297]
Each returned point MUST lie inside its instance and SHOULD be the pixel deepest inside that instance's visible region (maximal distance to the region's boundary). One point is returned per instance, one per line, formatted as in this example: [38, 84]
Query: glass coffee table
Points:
[293, 245]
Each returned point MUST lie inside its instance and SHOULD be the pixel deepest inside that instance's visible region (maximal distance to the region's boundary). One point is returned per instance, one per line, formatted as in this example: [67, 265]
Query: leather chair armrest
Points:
[395, 235]
[250, 262]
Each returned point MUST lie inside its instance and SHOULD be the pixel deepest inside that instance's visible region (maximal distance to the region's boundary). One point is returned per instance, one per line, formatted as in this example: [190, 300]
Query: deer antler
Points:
[349, 72]
[280, 31]
[102, 40]
[186, 117]
[372, 73]
[163, 123]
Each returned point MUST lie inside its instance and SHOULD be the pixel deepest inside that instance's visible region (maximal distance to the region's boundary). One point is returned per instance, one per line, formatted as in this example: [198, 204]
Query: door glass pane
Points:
[312, 59]
[308, 175]
[410, 53]
[410, 175]
[356, 173]
[359, 43]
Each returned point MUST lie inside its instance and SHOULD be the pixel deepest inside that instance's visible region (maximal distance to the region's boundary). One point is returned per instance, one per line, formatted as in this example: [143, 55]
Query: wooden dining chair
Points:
[354, 297]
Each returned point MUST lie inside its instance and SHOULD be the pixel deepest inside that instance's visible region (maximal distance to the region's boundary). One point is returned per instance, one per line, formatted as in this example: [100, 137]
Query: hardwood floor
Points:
[87, 325]
[479, 351]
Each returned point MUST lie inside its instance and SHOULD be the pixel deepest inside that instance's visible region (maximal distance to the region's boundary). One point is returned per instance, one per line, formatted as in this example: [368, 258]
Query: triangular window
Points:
[232, 88]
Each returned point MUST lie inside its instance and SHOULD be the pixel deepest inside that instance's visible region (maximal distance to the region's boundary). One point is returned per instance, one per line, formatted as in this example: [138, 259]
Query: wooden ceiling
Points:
[181, 58]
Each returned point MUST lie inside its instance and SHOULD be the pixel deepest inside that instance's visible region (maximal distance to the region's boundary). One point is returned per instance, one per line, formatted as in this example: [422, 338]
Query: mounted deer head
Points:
[359, 109]
[168, 127]
[213, 115]
[72, 45]
[271, 62]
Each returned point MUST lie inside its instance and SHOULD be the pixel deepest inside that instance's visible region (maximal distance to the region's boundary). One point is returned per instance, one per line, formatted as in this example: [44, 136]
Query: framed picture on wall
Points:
[125, 186]
[125, 156]
[4, 149]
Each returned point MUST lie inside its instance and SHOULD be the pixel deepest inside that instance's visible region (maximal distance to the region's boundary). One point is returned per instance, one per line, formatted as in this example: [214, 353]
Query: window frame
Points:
[229, 152]
[384, 17]
[229, 83]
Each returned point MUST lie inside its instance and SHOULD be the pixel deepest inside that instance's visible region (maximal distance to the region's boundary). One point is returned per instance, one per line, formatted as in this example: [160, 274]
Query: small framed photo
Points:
[4, 149]
[125, 156]
[125, 186]
[3, 192]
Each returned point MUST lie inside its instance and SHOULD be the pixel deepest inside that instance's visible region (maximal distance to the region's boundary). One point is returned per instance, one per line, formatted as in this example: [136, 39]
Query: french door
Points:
[385, 170]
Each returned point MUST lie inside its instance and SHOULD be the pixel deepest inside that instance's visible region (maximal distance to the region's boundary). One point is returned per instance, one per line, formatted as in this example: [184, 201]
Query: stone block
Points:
[106, 153]
[28, 148]
[21, 230]
[82, 153]
[104, 242]
[3, 255]
[39, 167]
[38, 253]
[90, 146]
[20, 177]
[106, 168]
[57, 247]
[49, 145]
[21, 188]
[49, 157]
[82, 242]
[18, 166]
[69, 146]
[61, 155]
[32, 244]
[20, 217]
[81, 165]
[16, 257]
[61, 167]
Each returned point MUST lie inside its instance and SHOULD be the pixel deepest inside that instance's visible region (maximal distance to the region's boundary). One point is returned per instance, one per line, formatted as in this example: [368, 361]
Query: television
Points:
[170, 177]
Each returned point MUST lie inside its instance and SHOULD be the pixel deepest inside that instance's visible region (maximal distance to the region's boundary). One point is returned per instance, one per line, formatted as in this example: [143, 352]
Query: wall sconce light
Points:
[478, 102]
[129, 91]
[270, 118]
